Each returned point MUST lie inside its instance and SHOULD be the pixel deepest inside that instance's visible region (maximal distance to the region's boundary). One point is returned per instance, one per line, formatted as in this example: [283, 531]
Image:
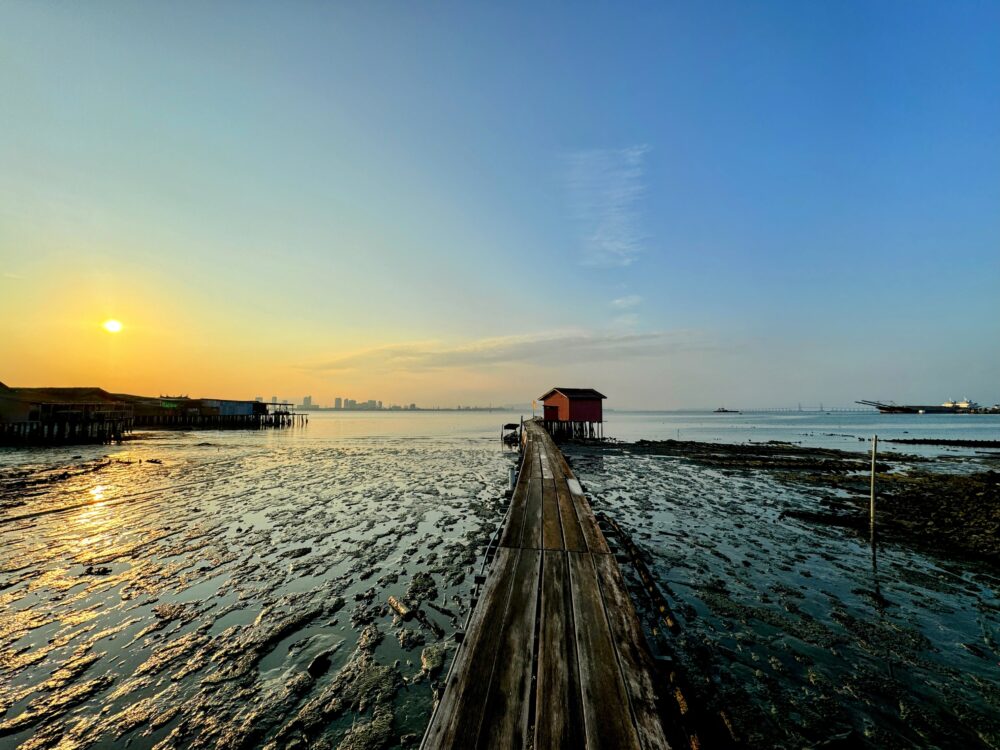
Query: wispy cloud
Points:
[624, 303]
[606, 186]
[630, 320]
[12, 276]
[558, 347]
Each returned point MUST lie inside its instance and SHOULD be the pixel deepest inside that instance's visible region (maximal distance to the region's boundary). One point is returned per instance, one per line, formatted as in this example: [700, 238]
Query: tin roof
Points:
[64, 395]
[572, 393]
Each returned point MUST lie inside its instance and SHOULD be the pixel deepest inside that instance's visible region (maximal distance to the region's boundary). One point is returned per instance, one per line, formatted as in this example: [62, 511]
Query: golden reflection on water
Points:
[94, 521]
[95, 524]
[175, 554]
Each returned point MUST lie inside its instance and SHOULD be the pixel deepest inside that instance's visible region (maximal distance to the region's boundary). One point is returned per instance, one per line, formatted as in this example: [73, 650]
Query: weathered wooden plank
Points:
[588, 523]
[531, 536]
[636, 663]
[594, 539]
[511, 534]
[607, 717]
[562, 465]
[456, 721]
[559, 719]
[506, 713]
[573, 538]
[546, 462]
[552, 533]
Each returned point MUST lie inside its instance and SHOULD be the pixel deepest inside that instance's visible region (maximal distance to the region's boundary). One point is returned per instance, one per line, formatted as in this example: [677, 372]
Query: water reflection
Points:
[238, 583]
[804, 633]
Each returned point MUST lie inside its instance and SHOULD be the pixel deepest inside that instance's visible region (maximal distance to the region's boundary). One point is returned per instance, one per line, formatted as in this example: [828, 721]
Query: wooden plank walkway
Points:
[554, 656]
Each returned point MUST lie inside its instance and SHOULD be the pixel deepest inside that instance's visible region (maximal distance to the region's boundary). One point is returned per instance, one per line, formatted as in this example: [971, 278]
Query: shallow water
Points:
[782, 622]
[843, 430]
[237, 590]
[234, 594]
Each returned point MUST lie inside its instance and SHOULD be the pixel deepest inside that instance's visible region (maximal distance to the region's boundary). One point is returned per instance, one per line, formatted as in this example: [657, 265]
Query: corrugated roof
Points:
[64, 395]
[573, 393]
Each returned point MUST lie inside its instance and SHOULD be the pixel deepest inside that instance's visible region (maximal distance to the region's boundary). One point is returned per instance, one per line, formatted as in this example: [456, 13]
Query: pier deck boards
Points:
[554, 656]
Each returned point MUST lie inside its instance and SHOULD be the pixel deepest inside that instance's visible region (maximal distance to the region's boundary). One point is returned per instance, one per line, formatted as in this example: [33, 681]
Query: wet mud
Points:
[789, 626]
[919, 502]
[948, 515]
[235, 593]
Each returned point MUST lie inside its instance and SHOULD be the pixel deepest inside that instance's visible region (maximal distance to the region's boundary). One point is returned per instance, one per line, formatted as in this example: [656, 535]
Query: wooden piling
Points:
[871, 511]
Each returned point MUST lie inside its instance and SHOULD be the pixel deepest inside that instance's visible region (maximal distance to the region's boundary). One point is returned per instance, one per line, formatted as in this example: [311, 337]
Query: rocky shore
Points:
[785, 625]
[954, 515]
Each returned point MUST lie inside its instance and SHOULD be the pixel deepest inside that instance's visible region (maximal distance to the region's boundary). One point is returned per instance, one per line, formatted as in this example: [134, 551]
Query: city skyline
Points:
[683, 205]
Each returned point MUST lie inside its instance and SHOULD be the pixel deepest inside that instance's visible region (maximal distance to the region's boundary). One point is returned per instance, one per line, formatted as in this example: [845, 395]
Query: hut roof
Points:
[64, 395]
[149, 399]
[572, 393]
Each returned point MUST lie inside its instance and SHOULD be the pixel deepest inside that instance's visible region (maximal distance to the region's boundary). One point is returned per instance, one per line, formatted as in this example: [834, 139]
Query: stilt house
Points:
[573, 412]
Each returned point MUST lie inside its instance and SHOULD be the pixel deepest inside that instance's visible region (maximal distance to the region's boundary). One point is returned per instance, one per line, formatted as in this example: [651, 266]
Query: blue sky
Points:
[684, 204]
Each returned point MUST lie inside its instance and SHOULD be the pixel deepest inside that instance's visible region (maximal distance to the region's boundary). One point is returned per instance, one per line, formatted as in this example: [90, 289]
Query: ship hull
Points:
[916, 409]
[972, 408]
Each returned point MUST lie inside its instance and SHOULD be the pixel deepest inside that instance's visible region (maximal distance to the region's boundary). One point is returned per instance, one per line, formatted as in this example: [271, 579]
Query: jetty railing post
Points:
[871, 511]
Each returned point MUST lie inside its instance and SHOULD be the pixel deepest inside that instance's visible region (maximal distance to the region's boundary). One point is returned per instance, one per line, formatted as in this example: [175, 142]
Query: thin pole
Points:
[872, 507]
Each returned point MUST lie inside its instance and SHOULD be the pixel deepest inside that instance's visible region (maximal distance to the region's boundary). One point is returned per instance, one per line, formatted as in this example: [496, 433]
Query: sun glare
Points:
[112, 326]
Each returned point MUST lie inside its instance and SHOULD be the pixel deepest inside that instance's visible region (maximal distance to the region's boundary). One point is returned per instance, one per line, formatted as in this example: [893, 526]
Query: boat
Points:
[724, 410]
[948, 407]
[510, 434]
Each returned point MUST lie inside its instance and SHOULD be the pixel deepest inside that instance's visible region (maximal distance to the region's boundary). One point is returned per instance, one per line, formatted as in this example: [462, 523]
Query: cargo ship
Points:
[948, 407]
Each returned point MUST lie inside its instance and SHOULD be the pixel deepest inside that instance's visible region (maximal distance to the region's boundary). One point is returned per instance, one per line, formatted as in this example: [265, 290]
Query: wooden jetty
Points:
[51, 416]
[183, 413]
[554, 655]
[56, 416]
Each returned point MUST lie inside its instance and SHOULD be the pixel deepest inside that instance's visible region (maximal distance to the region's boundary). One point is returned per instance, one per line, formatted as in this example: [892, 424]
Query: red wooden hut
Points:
[573, 412]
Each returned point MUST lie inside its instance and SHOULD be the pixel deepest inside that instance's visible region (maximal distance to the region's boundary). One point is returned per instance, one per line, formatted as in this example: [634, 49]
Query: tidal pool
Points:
[788, 628]
[233, 592]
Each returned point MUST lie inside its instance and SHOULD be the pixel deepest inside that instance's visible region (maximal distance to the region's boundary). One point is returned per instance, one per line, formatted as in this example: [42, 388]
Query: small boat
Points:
[724, 410]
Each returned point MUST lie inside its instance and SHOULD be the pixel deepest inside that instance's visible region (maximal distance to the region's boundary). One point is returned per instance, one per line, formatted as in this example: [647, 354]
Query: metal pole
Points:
[872, 507]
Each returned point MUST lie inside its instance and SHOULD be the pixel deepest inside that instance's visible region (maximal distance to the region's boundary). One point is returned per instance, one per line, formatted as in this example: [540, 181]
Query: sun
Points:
[112, 326]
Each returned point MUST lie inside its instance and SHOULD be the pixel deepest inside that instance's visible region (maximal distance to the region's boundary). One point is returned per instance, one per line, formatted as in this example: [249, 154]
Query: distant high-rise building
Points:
[338, 403]
[307, 402]
[379, 404]
[274, 399]
[258, 399]
[413, 406]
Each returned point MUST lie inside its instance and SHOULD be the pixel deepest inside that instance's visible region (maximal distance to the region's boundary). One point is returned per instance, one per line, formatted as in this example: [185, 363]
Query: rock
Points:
[432, 658]
[421, 587]
[409, 638]
[370, 637]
